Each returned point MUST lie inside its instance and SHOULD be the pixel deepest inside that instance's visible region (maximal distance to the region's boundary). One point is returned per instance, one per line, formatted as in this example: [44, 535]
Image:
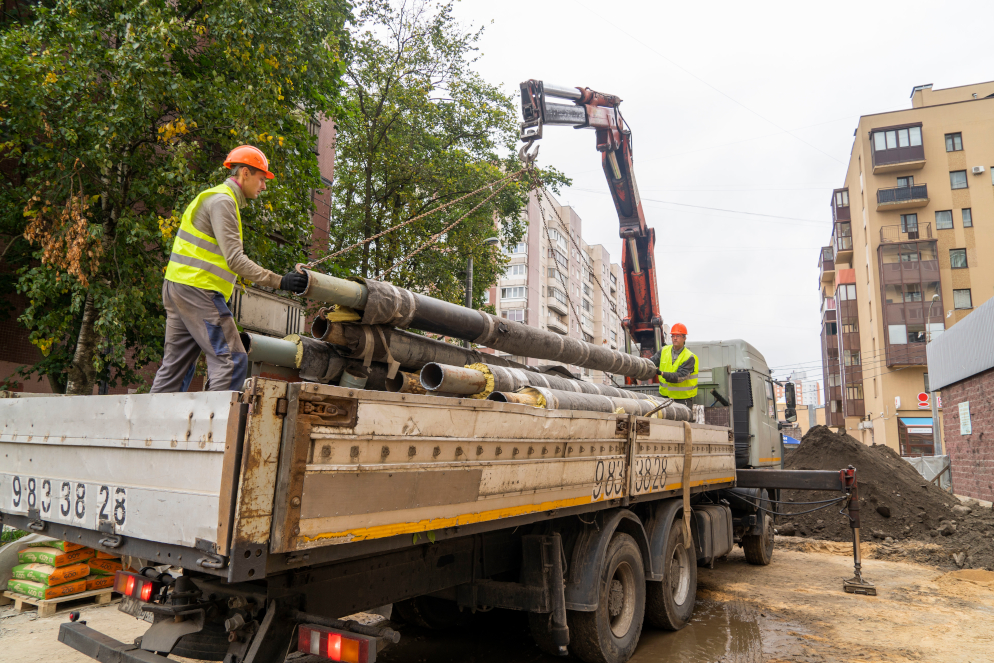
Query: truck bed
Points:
[242, 484]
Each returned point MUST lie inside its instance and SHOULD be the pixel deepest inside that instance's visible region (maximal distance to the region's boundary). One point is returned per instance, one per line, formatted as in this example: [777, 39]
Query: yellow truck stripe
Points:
[770, 460]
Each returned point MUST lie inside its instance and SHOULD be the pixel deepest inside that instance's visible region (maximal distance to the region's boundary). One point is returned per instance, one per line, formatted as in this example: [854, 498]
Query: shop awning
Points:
[916, 421]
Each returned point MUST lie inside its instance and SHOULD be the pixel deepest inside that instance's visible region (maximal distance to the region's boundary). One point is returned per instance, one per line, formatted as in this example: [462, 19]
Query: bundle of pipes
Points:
[384, 304]
[511, 385]
[556, 399]
[389, 358]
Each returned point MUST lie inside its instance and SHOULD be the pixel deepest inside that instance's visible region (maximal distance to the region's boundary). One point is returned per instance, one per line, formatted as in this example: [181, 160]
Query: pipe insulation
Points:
[412, 350]
[506, 379]
[556, 399]
[385, 304]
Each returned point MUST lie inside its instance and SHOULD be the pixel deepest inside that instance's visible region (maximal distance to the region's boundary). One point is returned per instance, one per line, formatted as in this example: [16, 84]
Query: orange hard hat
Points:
[678, 328]
[250, 156]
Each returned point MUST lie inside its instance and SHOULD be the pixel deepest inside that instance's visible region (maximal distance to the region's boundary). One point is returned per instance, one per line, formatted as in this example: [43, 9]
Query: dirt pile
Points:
[896, 504]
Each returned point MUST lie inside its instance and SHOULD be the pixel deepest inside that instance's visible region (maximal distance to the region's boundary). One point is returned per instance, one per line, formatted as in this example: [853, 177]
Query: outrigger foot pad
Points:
[856, 585]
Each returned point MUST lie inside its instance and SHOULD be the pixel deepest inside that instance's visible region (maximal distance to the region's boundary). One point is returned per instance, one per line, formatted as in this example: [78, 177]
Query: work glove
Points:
[294, 282]
[668, 377]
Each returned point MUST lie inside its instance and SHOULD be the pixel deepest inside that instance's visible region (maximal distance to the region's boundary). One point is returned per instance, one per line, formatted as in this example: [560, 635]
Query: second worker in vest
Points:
[207, 257]
[678, 368]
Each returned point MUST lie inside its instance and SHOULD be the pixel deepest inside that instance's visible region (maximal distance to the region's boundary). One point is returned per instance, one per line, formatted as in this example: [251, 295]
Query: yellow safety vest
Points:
[681, 390]
[196, 258]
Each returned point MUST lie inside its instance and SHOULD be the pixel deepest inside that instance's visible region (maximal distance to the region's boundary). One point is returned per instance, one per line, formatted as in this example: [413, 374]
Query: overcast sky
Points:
[737, 106]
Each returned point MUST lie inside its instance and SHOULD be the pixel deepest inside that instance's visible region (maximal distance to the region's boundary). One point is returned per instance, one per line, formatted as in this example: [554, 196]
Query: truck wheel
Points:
[431, 612]
[670, 603]
[610, 633]
[759, 547]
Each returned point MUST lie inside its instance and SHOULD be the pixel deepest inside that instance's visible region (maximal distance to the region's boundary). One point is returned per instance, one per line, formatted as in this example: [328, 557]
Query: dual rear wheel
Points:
[610, 633]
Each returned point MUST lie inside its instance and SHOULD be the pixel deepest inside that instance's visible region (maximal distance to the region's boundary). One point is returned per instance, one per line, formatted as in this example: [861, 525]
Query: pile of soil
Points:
[896, 503]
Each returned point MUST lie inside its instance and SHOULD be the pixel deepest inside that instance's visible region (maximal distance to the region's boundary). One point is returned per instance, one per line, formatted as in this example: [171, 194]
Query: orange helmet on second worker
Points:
[250, 156]
[679, 328]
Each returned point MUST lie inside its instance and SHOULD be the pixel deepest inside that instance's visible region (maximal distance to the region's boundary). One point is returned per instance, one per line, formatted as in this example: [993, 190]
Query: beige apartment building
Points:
[556, 281]
[911, 254]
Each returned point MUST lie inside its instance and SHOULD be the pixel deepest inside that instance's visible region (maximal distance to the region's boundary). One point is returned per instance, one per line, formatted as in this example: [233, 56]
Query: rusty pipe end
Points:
[437, 377]
[319, 328]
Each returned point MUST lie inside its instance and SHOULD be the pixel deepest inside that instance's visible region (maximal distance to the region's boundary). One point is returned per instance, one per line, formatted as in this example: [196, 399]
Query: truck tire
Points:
[670, 603]
[610, 633]
[209, 644]
[431, 612]
[759, 547]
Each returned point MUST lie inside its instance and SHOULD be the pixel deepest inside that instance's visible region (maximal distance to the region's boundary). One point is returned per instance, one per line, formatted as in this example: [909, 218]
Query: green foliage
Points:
[420, 129]
[10, 535]
[113, 116]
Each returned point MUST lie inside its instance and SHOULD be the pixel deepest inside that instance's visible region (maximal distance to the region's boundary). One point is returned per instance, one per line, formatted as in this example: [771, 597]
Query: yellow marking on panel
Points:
[769, 460]
[703, 482]
[380, 531]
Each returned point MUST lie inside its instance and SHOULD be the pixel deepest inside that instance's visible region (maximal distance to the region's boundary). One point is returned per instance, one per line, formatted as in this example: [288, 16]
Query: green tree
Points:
[421, 128]
[113, 115]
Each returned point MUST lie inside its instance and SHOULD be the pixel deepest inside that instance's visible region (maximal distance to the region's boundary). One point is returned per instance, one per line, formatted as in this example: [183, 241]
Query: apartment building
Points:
[556, 281]
[911, 253]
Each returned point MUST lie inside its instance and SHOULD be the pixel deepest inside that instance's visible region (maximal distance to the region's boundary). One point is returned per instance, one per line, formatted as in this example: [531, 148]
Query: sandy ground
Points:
[792, 610]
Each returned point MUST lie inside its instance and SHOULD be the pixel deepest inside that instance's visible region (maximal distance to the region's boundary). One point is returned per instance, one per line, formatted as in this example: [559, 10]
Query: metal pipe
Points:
[325, 288]
[385, 304]
[405, 383]
[613, 160]
[633, 251]
[556, 399]
[533, 399]
[562, 91]
[452, 379]
[270, 350]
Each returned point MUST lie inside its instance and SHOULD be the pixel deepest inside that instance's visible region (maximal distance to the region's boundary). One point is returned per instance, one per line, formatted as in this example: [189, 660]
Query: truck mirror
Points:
[790, 415]
[790, 397]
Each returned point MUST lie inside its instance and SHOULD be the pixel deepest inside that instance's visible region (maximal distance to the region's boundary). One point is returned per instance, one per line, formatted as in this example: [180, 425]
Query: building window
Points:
[967, 217]
[515, 315]
[957, 258]
[850, 327]
[842, 198]
[850, 357]
[846, 293]
[831, 328]
[614, 336]
[854, 392]
[895, 138]
[614, 280]
[562, 260]
[587, 306]
[520, 247]
[559, 295]
[944, 219]
[588, 291]
[906, 181]
[515, 270]
[954, 142]
[588, 338]
[962, 299]
[909, 223]
[519, 292]
[957, 179]
[486, 296]
[834, 380]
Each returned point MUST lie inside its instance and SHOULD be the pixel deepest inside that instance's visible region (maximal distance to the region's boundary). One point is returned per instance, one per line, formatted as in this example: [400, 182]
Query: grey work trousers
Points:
[199, 320]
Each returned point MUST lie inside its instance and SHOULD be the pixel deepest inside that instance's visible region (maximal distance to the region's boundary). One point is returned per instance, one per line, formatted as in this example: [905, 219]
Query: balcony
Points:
[903, 233]
[840, 205]
[897, 148]
[827, 305]
[826, 263]
[558, 306]
[902, 197]
[557, 326]
[842, 242]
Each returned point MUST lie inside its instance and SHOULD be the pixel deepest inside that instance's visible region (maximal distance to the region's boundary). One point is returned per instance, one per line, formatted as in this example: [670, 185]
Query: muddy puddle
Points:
[727, 632]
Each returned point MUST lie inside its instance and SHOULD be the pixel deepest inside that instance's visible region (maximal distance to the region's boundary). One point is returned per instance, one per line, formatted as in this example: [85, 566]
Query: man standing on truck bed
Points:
[207, 258]
[677, 368]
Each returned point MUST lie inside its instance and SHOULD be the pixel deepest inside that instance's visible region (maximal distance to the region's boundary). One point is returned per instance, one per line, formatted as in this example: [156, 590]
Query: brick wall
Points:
[972, 456]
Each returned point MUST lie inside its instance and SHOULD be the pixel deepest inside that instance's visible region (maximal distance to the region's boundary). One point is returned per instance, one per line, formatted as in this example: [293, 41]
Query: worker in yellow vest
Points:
[208, 255]
[678, 368]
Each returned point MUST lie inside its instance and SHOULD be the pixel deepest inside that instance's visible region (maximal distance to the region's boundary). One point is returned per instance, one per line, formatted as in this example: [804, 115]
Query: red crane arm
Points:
[600, 112]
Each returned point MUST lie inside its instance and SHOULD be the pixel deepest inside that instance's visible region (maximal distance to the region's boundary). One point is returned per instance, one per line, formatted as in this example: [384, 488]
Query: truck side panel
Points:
[144, 466]
[409, 464]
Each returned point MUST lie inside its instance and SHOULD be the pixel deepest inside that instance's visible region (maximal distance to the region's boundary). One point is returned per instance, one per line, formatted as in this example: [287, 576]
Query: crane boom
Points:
[599, 111]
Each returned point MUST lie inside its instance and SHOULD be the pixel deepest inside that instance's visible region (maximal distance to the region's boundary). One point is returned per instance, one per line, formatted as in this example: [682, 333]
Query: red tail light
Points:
[135, 586]
[336, 645]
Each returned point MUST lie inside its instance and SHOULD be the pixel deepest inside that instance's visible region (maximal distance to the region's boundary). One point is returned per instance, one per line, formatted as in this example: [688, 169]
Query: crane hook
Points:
[528, 157]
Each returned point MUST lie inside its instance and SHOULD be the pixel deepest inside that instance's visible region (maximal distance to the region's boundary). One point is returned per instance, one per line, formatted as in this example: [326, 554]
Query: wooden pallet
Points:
[47, 607]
